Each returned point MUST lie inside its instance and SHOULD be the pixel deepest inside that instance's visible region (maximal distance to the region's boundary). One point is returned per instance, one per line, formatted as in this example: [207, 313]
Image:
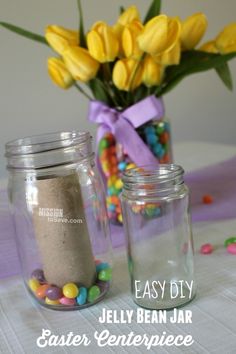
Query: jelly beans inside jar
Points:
[114, 160]
[71, 296]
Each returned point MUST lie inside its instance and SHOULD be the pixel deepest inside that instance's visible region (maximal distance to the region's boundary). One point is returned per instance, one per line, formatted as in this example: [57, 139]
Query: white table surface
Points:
[214, 309]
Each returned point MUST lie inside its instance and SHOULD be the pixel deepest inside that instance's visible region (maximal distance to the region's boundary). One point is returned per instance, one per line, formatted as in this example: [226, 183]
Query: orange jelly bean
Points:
[207, 199]
[41, 291]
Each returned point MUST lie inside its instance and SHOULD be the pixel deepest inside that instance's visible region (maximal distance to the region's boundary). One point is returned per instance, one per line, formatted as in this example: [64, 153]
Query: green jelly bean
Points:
[160, 128]
[229, 241]
[104, 144]
[93, 293]
[105, 274]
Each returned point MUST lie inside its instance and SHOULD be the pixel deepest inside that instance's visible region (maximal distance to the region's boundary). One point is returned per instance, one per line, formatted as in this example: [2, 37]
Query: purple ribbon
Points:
[123, 124]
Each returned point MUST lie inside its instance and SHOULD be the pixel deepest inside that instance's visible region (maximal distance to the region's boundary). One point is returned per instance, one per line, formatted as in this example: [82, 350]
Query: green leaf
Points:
[99, 91]
[81, 26]
[192, 62]
[22, 32]
[154, 10]
[224, 73]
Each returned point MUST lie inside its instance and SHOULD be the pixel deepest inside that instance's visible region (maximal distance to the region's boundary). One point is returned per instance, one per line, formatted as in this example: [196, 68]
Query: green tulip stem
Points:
[79, 88]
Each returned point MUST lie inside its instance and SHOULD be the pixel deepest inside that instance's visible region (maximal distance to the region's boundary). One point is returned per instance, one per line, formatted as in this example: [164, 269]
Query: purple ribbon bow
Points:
[123, 124]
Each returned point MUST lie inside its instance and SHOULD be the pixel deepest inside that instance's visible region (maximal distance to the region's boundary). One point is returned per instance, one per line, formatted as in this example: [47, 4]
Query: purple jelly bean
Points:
[54, 293]
[39, 275]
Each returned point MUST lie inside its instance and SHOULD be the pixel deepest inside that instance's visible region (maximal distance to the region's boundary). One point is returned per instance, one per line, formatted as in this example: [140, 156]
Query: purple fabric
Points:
[218, 180]
[123, 124]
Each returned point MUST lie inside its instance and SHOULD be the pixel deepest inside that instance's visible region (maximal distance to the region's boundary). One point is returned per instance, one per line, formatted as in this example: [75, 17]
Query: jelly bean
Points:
[207, 199]
[122, 166]
[41, 291]
[151, 139]
[164, 138]
[206, 248]
[229, 241]
[157, 149]
[51, 302]
[111, 181]
[112, 207]
[54, 293]
[105, 274]
[231, 248]
[102, 266]
[130, 166]
[160, 128]
[167, 126]
[104, 143]
[34, 284]
[149, 129]
[97, 261]
[120, 218]
[119, 184]
[67, 301]
[93, 293]
[39, 275]
[115, 200]
[70, 290]
[82, 298]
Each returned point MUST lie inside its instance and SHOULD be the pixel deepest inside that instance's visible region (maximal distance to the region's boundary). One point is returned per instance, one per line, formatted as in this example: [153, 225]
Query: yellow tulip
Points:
[171, 57]
[127, 74]
[102, 42]
[152, 72]
[129, 40]
[160, 34]
[80, 63]
[60, 38]
[129, 15]
[59, 73]
[226, 40]
[193, 29]
[209, 47]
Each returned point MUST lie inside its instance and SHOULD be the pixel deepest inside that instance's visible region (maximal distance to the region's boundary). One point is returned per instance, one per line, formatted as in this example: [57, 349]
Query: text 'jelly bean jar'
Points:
[156, 213]
[59, 210]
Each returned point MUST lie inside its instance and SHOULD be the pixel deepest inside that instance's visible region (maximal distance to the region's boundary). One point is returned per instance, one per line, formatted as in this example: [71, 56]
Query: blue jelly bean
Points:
[157, 149]
[82, 298]
[161, 153]
[112, 207]
[151, 139]
[167, 126]
[101, 266]
[122, 166]
[149, 130]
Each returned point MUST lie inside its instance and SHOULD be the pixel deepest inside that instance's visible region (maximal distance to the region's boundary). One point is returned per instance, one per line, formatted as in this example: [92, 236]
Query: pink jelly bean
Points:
[66, 301]
[231, 248]
[206, 248]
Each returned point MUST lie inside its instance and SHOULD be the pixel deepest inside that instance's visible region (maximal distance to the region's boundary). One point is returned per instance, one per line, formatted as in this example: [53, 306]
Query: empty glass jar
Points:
[58, 205]
[156, 213]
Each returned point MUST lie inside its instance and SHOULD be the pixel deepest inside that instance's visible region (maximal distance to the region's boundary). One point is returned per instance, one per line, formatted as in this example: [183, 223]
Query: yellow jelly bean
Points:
[34, 284]
[51, 302]
[119, 184]
[70, 291]
[111, 180]
[130, 165]
[120, 218]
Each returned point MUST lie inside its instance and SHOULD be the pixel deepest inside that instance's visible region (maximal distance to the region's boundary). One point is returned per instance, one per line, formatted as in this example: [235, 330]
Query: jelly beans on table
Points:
[114, 160]
[71, 295]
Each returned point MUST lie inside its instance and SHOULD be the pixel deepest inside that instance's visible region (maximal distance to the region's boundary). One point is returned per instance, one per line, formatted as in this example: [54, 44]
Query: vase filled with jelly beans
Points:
[59, 210]
[114, 161]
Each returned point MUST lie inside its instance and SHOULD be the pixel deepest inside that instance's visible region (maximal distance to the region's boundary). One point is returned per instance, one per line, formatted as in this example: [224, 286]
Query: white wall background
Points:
[200, 107]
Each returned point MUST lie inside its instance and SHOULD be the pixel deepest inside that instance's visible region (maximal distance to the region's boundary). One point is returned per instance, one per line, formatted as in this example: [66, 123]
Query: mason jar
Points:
[62, 232]
[156, 214]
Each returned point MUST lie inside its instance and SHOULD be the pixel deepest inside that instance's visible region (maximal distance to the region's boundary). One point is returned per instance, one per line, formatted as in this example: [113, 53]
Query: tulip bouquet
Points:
[125, 70]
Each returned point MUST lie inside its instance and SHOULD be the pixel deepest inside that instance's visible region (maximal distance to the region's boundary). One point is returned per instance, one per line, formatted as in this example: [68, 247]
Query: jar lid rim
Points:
[44, 142]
